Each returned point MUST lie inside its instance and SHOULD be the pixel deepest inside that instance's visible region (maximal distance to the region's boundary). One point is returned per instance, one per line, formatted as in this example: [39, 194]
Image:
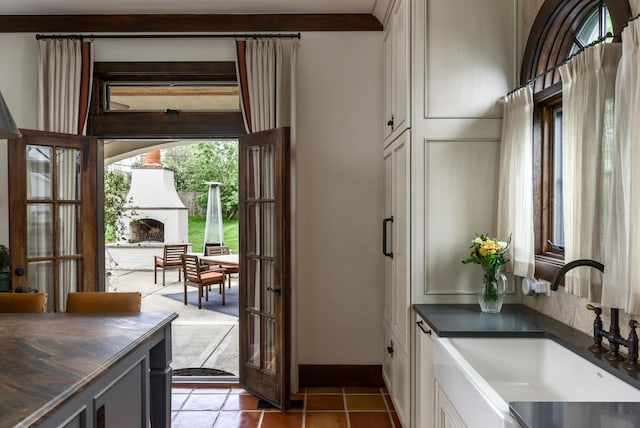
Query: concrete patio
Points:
[201, 338]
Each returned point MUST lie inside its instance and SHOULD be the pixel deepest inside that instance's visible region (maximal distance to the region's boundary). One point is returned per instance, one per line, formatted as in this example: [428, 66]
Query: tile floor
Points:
[322, 408]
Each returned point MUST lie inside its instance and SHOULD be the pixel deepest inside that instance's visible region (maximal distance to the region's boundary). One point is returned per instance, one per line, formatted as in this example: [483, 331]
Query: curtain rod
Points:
[560, 64]
[168, 36]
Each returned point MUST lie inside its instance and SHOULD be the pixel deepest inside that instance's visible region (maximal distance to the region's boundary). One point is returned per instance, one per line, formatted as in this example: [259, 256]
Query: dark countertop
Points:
[521, 321]
[47, 358]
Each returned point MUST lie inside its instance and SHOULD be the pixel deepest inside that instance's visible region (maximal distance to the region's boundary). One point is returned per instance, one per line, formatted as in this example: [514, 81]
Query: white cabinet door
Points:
[401, 385]
[425, 382]
[387, 360]
[397, 71]
[397, 231]
[446, 414]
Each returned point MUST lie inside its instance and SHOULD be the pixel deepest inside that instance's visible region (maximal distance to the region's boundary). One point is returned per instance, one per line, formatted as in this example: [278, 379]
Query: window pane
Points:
[168, 95]
[68, 161]
[39, 166]
[557, 232]
[39, 230]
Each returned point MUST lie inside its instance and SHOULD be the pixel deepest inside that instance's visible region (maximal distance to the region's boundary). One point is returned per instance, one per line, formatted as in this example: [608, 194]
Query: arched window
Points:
[561, 29]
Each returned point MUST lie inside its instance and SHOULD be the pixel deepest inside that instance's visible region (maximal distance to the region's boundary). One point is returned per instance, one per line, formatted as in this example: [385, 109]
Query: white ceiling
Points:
[78, 7]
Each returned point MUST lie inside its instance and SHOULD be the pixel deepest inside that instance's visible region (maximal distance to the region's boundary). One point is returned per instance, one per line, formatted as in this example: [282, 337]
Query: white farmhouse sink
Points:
[480, 376]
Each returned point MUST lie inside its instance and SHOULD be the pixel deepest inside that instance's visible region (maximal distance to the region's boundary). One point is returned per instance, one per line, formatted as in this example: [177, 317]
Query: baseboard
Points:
[318, 375]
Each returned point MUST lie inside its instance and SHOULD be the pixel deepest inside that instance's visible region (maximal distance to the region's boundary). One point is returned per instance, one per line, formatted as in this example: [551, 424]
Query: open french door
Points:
[265, 288]
[56, 222]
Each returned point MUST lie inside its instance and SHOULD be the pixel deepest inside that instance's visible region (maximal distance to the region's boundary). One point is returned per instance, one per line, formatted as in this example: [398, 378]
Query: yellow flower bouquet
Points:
[489, 253]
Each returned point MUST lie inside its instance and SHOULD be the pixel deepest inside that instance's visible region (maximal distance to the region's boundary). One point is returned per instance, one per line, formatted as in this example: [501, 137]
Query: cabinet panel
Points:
[397, 71]
[387, 360]
[471, 72]
[461, 203]
[123, 402]
[446, 414]
[401, 385]
[425, 382]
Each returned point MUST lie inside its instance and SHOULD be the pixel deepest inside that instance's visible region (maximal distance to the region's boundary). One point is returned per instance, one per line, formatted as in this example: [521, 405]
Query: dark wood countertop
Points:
[47, 358]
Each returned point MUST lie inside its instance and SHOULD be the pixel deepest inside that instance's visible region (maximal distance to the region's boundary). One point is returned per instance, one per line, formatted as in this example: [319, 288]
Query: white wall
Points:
[338, 175]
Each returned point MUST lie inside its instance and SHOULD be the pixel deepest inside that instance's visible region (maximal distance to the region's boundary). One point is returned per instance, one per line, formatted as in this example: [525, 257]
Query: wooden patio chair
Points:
[170, 260]
[221, 250]
[22, 303]
[90, 302]
[196, 276]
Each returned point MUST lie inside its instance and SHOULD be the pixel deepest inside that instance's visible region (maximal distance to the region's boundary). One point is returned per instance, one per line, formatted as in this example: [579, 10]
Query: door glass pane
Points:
[253, 230]
[68, 163]
[68, 215]
[557, 234]
[39, 165]
[269, 282]
[254, 339]
[269, 227]
[268, 172]
[253, 173]
[40, 276]
[253, 284]
[270, 345]
[67, 281]
[39, 230]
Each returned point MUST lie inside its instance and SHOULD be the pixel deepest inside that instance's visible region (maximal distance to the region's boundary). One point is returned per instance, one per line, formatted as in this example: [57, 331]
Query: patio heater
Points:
[213, 234]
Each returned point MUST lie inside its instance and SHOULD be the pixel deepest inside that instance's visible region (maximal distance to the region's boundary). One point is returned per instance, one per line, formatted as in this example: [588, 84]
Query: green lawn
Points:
[196, 233]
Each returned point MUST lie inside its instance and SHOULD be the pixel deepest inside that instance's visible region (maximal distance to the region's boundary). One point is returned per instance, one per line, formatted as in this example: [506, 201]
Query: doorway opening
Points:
[152, 198]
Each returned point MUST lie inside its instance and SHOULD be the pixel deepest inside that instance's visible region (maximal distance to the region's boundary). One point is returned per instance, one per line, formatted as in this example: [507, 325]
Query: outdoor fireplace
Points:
[146, 229]
[155, 211]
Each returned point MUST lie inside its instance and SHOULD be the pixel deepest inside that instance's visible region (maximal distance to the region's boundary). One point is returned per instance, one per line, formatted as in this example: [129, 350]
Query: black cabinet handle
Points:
[274, 289]
[390, 348]
[384, 237]
[390, 122]
[424, 330]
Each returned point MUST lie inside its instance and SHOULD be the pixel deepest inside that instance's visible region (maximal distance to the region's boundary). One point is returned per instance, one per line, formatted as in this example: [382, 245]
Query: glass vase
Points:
[491, 295]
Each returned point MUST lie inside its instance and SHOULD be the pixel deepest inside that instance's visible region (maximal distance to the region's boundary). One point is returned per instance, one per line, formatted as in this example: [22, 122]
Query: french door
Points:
[265, 265]
[55, 183]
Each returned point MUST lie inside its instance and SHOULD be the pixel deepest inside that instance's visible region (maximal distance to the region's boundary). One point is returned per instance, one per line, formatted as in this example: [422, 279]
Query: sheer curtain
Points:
[515, 191]
[621, 283]
[266, 70]
[64, 82]
[588, 90]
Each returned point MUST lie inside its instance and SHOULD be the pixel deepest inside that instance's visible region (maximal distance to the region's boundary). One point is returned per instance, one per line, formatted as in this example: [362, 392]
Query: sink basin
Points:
[480, 376]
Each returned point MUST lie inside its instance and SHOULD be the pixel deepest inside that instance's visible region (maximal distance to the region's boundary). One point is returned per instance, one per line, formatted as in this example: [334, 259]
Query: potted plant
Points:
[5, 275]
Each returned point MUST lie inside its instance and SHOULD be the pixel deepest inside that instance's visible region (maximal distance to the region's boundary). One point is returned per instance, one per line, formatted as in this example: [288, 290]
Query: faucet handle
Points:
[595, 309]
[634, 324]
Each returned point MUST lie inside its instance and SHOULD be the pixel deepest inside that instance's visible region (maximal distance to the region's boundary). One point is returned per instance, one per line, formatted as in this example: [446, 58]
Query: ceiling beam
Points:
[187, 23]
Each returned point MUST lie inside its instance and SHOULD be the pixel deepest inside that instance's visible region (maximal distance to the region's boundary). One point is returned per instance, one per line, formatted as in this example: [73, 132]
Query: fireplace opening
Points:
[146, 229]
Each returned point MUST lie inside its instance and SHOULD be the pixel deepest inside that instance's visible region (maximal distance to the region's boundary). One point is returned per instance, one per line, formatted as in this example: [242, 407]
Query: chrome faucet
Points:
[613, 335]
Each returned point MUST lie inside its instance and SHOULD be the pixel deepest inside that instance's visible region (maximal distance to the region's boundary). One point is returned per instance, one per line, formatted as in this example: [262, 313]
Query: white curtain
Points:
[59, 83]
[621, 283]
[515, 191]
[588, 90]
[271, 82]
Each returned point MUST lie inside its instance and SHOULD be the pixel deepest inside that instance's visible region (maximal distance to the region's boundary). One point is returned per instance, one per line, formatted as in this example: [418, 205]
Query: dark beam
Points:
[187, 23]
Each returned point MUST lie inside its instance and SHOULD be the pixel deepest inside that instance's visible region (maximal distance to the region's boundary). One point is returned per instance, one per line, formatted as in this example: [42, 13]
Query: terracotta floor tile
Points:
[324, 390]
[387, 398]
[370, 420]
[239, 419]
[365, 402]
[297, 396]
[194, 419]
[281, 420]
[325, 420]
[204, 402]
[361, 390]
[325, 402]
[241, 402]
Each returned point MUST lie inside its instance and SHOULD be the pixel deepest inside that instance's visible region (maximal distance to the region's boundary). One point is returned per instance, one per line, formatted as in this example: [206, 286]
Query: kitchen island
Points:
[85, 370]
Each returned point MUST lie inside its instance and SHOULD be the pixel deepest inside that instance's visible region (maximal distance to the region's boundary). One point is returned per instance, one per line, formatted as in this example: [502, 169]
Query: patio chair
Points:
[171, 260]
[196, 276]
[22, 303]
[219, 251]
[90, 302]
